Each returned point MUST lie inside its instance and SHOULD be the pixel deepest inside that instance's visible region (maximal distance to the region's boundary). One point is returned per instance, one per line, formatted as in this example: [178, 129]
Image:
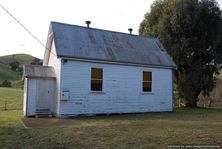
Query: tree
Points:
[14, 65]
[191, 31]
[36, 61]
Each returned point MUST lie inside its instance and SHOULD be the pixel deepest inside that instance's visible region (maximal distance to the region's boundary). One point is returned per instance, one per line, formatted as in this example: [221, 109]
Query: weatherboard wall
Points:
[31, 96]
[25, 97]
[55, 62]
[122, 89]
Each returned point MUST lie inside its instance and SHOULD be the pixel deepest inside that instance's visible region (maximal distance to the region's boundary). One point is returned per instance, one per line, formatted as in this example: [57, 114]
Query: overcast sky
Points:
[116, 15]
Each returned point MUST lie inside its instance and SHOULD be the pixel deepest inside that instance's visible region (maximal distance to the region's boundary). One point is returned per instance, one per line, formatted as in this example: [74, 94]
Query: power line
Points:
[26, 29]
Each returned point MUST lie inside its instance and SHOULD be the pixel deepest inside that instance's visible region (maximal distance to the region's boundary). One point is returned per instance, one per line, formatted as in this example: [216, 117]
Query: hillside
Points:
[21, 58]
[6, 73]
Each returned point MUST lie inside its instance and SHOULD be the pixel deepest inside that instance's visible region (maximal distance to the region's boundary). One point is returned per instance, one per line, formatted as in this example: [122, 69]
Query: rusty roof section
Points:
[96, 44]
[37, 71]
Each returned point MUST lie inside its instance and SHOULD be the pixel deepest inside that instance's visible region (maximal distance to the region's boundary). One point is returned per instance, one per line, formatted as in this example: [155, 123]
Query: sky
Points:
[115, 15]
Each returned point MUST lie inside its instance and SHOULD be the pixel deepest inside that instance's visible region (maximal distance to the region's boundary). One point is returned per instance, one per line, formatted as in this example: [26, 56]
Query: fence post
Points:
[5, 105]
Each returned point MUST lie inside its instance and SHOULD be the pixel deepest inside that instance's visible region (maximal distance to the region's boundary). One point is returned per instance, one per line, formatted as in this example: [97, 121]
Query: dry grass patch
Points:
[47, 122]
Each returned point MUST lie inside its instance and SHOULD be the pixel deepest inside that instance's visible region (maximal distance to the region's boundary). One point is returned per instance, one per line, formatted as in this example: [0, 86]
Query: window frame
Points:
[94, 79]
[151, 81]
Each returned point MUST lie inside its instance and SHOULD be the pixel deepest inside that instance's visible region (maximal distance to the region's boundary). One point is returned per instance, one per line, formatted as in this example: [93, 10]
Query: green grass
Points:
[150, 130]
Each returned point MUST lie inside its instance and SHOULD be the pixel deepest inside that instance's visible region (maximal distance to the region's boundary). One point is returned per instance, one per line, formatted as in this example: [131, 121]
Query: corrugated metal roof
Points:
[38, 71]
[89, 43]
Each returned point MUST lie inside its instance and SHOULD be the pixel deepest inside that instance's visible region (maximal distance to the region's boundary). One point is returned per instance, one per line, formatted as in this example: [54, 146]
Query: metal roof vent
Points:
[130, 31]
[88, 23]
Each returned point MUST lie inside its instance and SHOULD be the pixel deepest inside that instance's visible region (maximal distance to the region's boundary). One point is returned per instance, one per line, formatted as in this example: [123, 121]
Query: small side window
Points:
[96, 79]
[147, 81]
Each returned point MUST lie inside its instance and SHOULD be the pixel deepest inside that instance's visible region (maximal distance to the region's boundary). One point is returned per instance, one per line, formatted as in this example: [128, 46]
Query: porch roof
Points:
[36, 71]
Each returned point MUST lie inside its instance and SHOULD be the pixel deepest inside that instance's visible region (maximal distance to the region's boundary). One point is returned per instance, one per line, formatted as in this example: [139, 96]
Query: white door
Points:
[45, 94]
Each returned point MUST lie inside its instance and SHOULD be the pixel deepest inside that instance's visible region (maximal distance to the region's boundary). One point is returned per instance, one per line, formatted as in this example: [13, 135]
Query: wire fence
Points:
[6, 105]
[11, 99]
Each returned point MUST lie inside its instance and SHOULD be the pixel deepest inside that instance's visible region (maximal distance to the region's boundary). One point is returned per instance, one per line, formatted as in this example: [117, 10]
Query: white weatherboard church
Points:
[89, 71]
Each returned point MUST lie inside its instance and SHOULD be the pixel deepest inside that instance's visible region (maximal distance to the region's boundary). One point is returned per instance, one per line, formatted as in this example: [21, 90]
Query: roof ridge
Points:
[68, 24]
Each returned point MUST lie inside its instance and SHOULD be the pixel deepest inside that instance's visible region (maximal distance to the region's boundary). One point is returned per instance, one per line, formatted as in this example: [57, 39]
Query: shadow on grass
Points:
[177, 113]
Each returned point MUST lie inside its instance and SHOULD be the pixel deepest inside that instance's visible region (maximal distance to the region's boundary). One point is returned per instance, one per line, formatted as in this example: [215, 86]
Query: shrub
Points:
[6, 83]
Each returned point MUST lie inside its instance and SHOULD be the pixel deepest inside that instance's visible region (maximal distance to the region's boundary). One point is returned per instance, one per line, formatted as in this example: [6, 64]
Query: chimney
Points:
[130, 31]
[88, 22]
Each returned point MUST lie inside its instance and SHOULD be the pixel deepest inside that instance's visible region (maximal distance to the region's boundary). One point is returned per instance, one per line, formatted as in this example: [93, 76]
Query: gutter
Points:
[115, 62]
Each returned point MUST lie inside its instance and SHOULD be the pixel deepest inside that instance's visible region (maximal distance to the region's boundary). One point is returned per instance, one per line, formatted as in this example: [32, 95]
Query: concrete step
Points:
[43, 113]
[42, 110]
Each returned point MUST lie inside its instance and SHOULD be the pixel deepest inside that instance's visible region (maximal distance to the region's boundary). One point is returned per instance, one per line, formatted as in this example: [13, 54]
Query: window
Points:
[96, 79]
[147, 81]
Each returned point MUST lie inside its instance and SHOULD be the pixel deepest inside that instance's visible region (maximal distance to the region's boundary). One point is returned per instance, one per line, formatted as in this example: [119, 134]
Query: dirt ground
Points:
[47, 122]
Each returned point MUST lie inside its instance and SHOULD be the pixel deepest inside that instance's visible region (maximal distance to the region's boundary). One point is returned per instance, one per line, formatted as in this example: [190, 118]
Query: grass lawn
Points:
[150, 130]
[13, 98]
